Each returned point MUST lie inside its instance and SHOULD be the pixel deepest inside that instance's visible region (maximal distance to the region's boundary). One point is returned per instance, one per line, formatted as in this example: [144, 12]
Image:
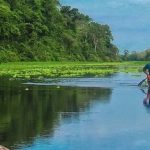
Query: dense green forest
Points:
[43, 30]
[136, 56]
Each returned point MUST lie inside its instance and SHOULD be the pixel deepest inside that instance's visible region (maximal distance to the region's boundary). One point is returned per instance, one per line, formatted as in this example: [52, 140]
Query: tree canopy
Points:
[136, 56]
[43, 30]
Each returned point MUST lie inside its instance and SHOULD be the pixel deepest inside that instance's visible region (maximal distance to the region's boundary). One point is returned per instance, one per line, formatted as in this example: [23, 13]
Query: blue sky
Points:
[129, 20]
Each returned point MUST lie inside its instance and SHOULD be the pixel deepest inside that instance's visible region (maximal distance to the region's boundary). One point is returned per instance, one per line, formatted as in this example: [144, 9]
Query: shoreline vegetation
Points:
[44, 30]
[40, 70]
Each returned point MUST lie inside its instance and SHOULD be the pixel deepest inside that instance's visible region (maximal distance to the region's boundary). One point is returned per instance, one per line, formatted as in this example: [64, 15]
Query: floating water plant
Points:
[29, 70]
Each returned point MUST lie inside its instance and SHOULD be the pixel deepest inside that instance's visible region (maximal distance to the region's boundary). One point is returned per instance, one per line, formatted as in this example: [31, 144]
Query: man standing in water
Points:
[146, 70]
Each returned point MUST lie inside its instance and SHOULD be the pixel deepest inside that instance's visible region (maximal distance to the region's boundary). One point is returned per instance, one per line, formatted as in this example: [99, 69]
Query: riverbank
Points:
[39, 70]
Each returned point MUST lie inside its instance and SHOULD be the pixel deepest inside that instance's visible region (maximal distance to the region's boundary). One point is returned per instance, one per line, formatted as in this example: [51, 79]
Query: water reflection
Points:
[146, 100]
[27, 111]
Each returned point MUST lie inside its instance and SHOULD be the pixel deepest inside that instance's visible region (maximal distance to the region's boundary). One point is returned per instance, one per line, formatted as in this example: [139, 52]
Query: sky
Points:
[129, 20]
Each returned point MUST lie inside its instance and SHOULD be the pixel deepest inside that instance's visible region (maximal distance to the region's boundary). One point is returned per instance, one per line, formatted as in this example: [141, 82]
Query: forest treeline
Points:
[136, 56]
[43, 30]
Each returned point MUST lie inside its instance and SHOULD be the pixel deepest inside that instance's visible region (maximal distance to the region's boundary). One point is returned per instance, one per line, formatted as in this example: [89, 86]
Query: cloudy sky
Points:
[129, 20]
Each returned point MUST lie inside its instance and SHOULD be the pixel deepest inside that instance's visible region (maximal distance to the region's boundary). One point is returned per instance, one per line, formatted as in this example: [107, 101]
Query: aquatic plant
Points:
[30, 70]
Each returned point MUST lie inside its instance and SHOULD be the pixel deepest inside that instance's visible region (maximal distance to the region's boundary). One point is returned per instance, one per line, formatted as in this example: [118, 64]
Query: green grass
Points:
[66, 69]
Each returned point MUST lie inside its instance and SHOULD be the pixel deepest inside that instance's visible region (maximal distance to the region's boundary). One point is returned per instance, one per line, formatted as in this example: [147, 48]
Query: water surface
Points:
[75, 114]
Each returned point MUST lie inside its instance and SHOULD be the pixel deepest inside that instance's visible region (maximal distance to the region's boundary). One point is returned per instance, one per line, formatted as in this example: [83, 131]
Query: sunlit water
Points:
[75, 114]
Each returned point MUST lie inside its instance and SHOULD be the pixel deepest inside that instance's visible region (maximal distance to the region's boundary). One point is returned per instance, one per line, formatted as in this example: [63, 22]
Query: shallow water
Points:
[75, 114]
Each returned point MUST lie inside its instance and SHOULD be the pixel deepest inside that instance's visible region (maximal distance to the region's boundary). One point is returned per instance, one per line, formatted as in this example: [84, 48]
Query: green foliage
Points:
[137, 56]
[42, 30]
[56, 69]
[66, 69]
[8, 56]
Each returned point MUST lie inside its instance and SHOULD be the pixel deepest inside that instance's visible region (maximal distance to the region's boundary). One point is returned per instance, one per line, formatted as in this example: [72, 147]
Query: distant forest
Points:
[43, 30]
[136, 56]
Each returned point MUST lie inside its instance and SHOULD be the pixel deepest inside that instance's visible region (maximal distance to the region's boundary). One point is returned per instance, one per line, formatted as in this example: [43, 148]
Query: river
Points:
[109, 113]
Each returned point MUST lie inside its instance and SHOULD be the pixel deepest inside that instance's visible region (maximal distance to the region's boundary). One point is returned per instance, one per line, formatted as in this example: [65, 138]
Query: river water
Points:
[109, 113]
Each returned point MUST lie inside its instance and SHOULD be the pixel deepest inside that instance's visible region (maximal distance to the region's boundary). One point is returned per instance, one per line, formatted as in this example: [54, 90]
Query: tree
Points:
[45, 30]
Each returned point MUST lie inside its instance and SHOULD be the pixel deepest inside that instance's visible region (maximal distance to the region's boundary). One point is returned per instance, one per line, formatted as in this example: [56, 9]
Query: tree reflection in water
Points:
[29, 111]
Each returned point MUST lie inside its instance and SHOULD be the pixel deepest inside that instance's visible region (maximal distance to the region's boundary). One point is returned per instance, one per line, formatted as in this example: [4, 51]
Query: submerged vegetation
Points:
[41, 70]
